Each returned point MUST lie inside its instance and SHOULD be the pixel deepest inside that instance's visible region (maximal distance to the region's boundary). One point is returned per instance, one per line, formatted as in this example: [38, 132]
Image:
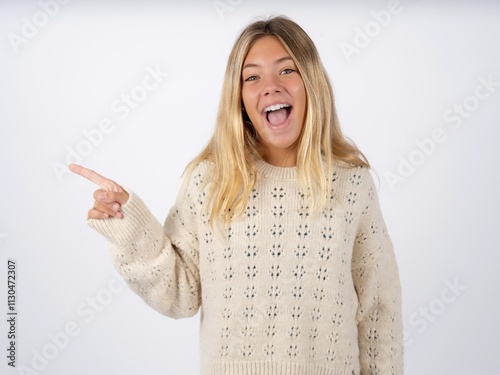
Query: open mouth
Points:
[277, 114]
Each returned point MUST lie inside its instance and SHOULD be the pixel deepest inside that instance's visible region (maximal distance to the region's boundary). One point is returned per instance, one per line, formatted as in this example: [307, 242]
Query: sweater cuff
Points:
[122, 231]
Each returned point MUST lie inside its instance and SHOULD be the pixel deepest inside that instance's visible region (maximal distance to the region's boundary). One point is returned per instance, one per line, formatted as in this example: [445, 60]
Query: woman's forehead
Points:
[267, 48]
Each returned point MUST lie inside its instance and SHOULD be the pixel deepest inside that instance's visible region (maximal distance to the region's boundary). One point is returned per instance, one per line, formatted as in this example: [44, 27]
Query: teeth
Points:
[276, 107]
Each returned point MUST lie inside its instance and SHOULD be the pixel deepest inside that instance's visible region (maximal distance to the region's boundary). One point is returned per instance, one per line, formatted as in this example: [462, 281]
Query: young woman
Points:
[276, 234]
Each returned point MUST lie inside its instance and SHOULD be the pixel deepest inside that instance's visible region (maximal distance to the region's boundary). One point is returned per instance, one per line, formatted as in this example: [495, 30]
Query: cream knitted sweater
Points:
[283, 291]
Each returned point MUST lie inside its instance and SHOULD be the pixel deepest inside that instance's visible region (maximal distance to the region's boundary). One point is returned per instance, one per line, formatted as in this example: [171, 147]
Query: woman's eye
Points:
[287, 71]
[251, 78]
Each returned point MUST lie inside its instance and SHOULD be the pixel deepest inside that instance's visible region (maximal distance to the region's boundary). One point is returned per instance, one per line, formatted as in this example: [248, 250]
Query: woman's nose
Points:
[271, 85]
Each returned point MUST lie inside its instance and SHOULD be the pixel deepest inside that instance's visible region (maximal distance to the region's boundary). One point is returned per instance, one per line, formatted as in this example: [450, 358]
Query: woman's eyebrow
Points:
[279, 61]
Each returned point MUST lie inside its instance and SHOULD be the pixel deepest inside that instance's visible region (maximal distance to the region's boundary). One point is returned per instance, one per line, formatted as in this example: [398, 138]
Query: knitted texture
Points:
[281, 290]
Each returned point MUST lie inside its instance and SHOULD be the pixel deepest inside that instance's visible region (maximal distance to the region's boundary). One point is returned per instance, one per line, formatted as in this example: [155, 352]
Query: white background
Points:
[391, 95]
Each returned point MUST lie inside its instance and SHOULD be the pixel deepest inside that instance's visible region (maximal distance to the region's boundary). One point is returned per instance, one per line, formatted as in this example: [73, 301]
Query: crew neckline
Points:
[274, 172]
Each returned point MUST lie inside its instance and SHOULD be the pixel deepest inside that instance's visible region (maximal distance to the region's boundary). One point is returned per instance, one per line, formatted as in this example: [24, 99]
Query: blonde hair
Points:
[234, 146]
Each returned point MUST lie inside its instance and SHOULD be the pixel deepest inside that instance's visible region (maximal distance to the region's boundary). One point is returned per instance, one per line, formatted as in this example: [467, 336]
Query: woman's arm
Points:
[376, 279]
[159, 263]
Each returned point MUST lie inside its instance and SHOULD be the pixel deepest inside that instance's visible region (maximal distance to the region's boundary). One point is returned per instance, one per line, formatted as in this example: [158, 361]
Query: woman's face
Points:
[274, 98]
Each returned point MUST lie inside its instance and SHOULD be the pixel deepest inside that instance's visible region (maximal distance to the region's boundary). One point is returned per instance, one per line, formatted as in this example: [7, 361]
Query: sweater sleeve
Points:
[376, 279]
[159, 263]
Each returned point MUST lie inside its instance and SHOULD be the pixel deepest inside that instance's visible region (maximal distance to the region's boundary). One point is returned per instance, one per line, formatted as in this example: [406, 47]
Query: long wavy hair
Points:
[234, 147]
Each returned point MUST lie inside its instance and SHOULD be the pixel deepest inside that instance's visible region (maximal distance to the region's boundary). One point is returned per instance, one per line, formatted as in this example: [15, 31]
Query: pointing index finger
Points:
[89, 174]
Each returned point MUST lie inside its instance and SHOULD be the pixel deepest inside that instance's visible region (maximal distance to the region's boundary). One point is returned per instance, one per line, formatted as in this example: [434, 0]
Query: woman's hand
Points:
[108, 199]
